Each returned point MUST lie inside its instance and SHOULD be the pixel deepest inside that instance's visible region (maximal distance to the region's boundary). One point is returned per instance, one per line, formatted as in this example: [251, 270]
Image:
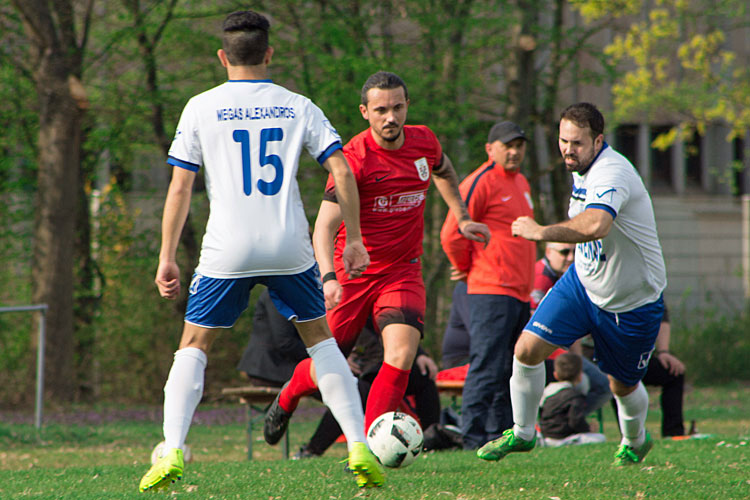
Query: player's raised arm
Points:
[591, 224]
[446, 181]
[355, 255]
[176, 208]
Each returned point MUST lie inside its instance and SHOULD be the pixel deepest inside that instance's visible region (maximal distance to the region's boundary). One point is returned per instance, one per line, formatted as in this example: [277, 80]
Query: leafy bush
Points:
[713, 344]
[18, 330]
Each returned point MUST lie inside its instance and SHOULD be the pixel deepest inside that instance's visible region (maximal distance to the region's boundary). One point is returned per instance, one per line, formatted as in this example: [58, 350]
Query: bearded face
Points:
[577, 147]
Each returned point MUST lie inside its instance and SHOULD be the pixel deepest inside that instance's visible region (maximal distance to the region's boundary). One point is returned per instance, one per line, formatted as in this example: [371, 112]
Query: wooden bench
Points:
[452, 388]
[258, 399]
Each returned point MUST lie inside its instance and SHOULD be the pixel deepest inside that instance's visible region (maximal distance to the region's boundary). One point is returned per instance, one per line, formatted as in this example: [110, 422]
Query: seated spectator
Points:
[562, 415]
[668, 372]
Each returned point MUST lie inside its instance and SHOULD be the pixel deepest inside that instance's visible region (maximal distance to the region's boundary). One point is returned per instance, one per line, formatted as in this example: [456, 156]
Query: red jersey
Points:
[544, 278]
[392, 191]
[495, 197]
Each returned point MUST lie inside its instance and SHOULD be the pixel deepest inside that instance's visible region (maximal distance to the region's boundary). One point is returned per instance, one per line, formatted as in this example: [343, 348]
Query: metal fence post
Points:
[40, 369]
[42, 308]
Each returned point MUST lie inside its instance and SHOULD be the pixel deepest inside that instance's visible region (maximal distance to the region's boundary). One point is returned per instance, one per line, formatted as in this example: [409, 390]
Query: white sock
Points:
[631, 412]
[526, 388]
[339, 389]
[182, 393]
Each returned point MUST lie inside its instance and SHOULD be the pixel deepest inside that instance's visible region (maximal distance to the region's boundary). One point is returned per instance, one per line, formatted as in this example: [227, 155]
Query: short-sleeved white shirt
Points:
[625, 269]
[248, 135]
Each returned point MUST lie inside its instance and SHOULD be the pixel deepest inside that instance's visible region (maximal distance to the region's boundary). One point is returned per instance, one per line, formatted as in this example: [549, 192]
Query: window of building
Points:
[661, 163]
[693, 181]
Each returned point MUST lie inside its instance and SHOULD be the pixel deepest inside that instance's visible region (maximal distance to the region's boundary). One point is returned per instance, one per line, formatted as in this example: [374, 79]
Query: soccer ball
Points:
[395, 438]
[187, 454]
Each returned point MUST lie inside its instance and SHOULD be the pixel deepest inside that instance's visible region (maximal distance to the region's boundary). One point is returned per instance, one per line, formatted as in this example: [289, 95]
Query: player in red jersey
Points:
[393, 164]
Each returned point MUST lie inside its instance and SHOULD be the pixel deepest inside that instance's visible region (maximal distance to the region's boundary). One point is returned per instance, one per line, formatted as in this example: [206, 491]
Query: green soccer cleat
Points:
[627, 455]
[365, 466]
[507, 443]
[164, 472]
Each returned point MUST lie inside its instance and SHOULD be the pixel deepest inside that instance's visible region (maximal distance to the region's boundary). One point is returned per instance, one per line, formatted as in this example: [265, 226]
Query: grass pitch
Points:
[107, 460]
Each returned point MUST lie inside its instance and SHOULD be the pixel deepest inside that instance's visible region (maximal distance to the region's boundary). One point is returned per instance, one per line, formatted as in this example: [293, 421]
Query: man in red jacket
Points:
[500, 278]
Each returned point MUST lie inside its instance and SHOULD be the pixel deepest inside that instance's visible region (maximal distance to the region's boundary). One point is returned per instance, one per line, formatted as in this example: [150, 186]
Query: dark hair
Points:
[383, 80]
[584, 115]
[567, 366]
[245, 38]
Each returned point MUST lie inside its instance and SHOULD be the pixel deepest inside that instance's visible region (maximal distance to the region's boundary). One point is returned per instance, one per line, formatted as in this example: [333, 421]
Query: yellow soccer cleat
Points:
[164, 472]
[365, 466]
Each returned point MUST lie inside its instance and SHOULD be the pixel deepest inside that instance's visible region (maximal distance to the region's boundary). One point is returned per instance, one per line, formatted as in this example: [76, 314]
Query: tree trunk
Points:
[560, 180]
[56, 57]
[52, 274]
[523, 94]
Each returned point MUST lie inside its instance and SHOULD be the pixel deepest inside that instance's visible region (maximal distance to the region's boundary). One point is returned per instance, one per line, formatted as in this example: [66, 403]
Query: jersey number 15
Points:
[266, 135]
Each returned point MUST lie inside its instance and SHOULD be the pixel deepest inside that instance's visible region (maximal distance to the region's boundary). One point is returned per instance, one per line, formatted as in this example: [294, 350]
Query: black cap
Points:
[505, 132]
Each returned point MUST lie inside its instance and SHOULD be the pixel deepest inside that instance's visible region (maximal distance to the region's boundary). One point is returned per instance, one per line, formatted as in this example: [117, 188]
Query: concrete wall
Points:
[702, 239]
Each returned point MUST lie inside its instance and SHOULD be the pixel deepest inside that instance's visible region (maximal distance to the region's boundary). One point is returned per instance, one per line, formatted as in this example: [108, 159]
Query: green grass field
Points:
[106, 461]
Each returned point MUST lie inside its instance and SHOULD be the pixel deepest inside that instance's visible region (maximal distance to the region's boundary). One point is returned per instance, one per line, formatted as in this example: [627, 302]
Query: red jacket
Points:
[495, 197]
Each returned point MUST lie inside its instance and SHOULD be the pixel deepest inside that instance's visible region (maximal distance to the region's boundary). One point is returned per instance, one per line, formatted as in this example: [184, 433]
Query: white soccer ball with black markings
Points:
[395, 438]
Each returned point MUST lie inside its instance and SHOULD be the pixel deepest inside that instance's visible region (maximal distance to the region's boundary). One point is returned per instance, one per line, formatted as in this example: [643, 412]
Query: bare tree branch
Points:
[167, 18]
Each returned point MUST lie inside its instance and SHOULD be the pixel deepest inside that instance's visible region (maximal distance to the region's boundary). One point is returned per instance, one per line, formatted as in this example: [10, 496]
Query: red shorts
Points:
[397, 296]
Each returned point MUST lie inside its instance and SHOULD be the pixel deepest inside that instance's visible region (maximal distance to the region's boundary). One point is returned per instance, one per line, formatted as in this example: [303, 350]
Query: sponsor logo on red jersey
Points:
[400, 202]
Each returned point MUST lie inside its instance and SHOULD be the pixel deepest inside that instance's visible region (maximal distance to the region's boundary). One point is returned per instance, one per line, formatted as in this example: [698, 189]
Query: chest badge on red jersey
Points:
[423, 168]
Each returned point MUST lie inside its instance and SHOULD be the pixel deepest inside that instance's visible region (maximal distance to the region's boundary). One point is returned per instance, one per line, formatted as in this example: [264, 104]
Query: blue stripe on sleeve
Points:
[603, 207]
[183, 164]
[329, 151]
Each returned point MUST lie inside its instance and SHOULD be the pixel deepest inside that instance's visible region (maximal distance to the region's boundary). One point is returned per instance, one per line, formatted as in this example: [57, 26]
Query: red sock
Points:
[301, 384]
[386, 393]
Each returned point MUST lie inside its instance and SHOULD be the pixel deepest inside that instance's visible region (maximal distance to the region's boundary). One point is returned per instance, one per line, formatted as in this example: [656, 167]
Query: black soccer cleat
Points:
[276, 421]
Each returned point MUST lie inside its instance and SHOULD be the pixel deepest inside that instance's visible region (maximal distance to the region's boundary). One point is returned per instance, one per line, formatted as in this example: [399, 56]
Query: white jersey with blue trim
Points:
[625, 269]
[248, 136]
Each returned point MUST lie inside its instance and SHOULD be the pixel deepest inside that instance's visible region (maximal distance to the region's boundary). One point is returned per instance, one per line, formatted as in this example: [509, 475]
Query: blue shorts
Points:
[217, 303]
[623, 342]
